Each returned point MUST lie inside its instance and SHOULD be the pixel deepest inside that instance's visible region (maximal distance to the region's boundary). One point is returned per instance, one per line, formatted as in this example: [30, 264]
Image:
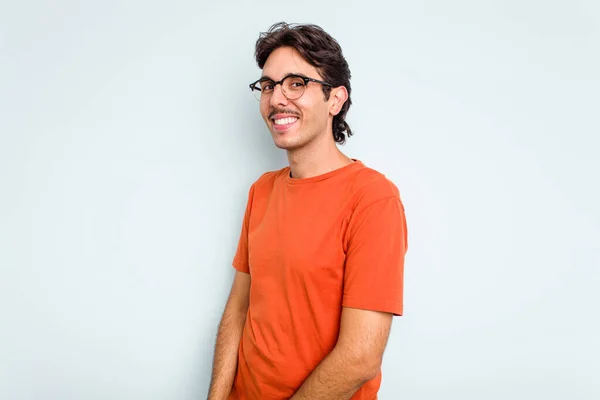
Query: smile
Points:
[285, 121]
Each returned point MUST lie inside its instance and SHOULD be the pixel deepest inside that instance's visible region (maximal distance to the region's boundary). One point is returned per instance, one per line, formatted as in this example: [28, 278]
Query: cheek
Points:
[318, 113]
[310, 110]
[264, 111]
[318, 107]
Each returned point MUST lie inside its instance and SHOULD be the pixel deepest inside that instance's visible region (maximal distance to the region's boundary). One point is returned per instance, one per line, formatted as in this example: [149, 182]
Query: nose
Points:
[277, 97]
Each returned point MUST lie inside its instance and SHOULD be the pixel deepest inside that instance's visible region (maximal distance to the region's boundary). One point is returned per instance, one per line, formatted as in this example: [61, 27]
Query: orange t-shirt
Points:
[311, 247]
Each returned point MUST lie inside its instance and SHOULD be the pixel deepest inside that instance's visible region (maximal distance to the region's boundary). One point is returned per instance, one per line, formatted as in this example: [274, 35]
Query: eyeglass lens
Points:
[292, 87]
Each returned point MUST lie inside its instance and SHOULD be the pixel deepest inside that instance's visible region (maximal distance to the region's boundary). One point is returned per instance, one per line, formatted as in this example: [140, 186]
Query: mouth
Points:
[282, 124]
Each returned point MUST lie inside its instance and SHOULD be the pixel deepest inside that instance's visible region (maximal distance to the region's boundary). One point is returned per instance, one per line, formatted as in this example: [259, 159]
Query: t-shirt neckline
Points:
[301, 181]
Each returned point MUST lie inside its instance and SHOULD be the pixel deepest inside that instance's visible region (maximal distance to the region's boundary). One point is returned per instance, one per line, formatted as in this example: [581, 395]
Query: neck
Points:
[316, 158]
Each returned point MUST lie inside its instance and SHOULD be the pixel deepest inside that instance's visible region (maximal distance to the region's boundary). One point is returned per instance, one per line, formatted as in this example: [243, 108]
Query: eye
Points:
[266, 86]
[295, 83]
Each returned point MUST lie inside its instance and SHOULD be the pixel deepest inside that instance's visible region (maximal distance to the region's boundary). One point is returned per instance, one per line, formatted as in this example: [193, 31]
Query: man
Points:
[320, 260]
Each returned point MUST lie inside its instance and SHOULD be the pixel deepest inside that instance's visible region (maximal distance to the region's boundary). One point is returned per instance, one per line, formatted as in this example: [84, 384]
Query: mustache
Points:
[283, 111]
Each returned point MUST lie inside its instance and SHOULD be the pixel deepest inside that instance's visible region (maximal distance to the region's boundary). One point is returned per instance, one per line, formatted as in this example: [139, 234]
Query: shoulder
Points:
[266, 181]
[369, 186]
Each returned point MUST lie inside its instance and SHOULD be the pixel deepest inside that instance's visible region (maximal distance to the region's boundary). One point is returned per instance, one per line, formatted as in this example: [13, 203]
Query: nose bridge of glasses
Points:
[275, 96]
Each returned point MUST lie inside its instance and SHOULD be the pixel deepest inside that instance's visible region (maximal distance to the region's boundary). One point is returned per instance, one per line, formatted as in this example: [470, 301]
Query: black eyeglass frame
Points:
[306, 79]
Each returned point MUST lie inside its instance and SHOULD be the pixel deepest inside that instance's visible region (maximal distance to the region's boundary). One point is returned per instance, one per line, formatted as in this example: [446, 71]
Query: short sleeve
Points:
[376, 246]
[240, 260]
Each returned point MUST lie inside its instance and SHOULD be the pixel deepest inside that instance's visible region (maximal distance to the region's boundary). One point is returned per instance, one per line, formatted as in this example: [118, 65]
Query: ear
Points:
[338, 97]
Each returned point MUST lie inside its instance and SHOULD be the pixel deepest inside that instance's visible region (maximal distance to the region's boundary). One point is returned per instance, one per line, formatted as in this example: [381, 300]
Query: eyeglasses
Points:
[292, 86]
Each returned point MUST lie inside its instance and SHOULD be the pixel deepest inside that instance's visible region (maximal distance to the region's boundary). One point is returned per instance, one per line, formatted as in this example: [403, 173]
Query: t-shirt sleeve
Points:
[376, 246]
[240, 260]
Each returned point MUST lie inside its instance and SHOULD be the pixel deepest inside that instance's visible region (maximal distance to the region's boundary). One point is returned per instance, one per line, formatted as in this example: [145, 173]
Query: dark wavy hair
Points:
[321, 51]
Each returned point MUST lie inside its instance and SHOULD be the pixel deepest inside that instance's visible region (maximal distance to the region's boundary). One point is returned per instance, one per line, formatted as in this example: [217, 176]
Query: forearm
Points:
[226, 354]
[337, 377]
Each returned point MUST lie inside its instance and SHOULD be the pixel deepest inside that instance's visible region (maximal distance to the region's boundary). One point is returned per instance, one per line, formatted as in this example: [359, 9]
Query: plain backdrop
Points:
[129, 139]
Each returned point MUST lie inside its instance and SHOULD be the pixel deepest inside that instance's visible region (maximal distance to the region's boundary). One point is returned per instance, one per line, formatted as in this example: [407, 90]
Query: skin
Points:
[229, 336]
[309, 143]
[355, 359]
[311, 150]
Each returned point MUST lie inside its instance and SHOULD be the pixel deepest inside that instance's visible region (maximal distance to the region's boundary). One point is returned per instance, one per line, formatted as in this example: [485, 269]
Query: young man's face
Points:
[295, 123]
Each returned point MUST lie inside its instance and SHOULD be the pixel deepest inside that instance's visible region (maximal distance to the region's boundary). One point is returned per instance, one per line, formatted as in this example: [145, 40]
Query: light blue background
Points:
[129, 139]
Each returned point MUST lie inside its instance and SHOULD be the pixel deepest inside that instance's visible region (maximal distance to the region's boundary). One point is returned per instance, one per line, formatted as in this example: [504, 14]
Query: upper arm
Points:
[240, 260]
[376, 246]
[364, 332]
[239, 296]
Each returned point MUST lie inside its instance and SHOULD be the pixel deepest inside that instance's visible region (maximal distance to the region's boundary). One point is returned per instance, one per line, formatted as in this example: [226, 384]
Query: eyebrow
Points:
[266, 77]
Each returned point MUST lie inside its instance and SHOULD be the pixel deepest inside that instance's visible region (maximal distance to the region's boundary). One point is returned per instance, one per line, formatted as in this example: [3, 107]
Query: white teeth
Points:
[285, 121]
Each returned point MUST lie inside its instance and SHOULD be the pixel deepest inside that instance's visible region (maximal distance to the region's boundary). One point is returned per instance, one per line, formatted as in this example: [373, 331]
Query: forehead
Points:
[287, 60]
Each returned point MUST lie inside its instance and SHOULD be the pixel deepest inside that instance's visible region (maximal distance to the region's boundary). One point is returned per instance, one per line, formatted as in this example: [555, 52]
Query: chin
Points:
[287, 141]
[287, 144]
